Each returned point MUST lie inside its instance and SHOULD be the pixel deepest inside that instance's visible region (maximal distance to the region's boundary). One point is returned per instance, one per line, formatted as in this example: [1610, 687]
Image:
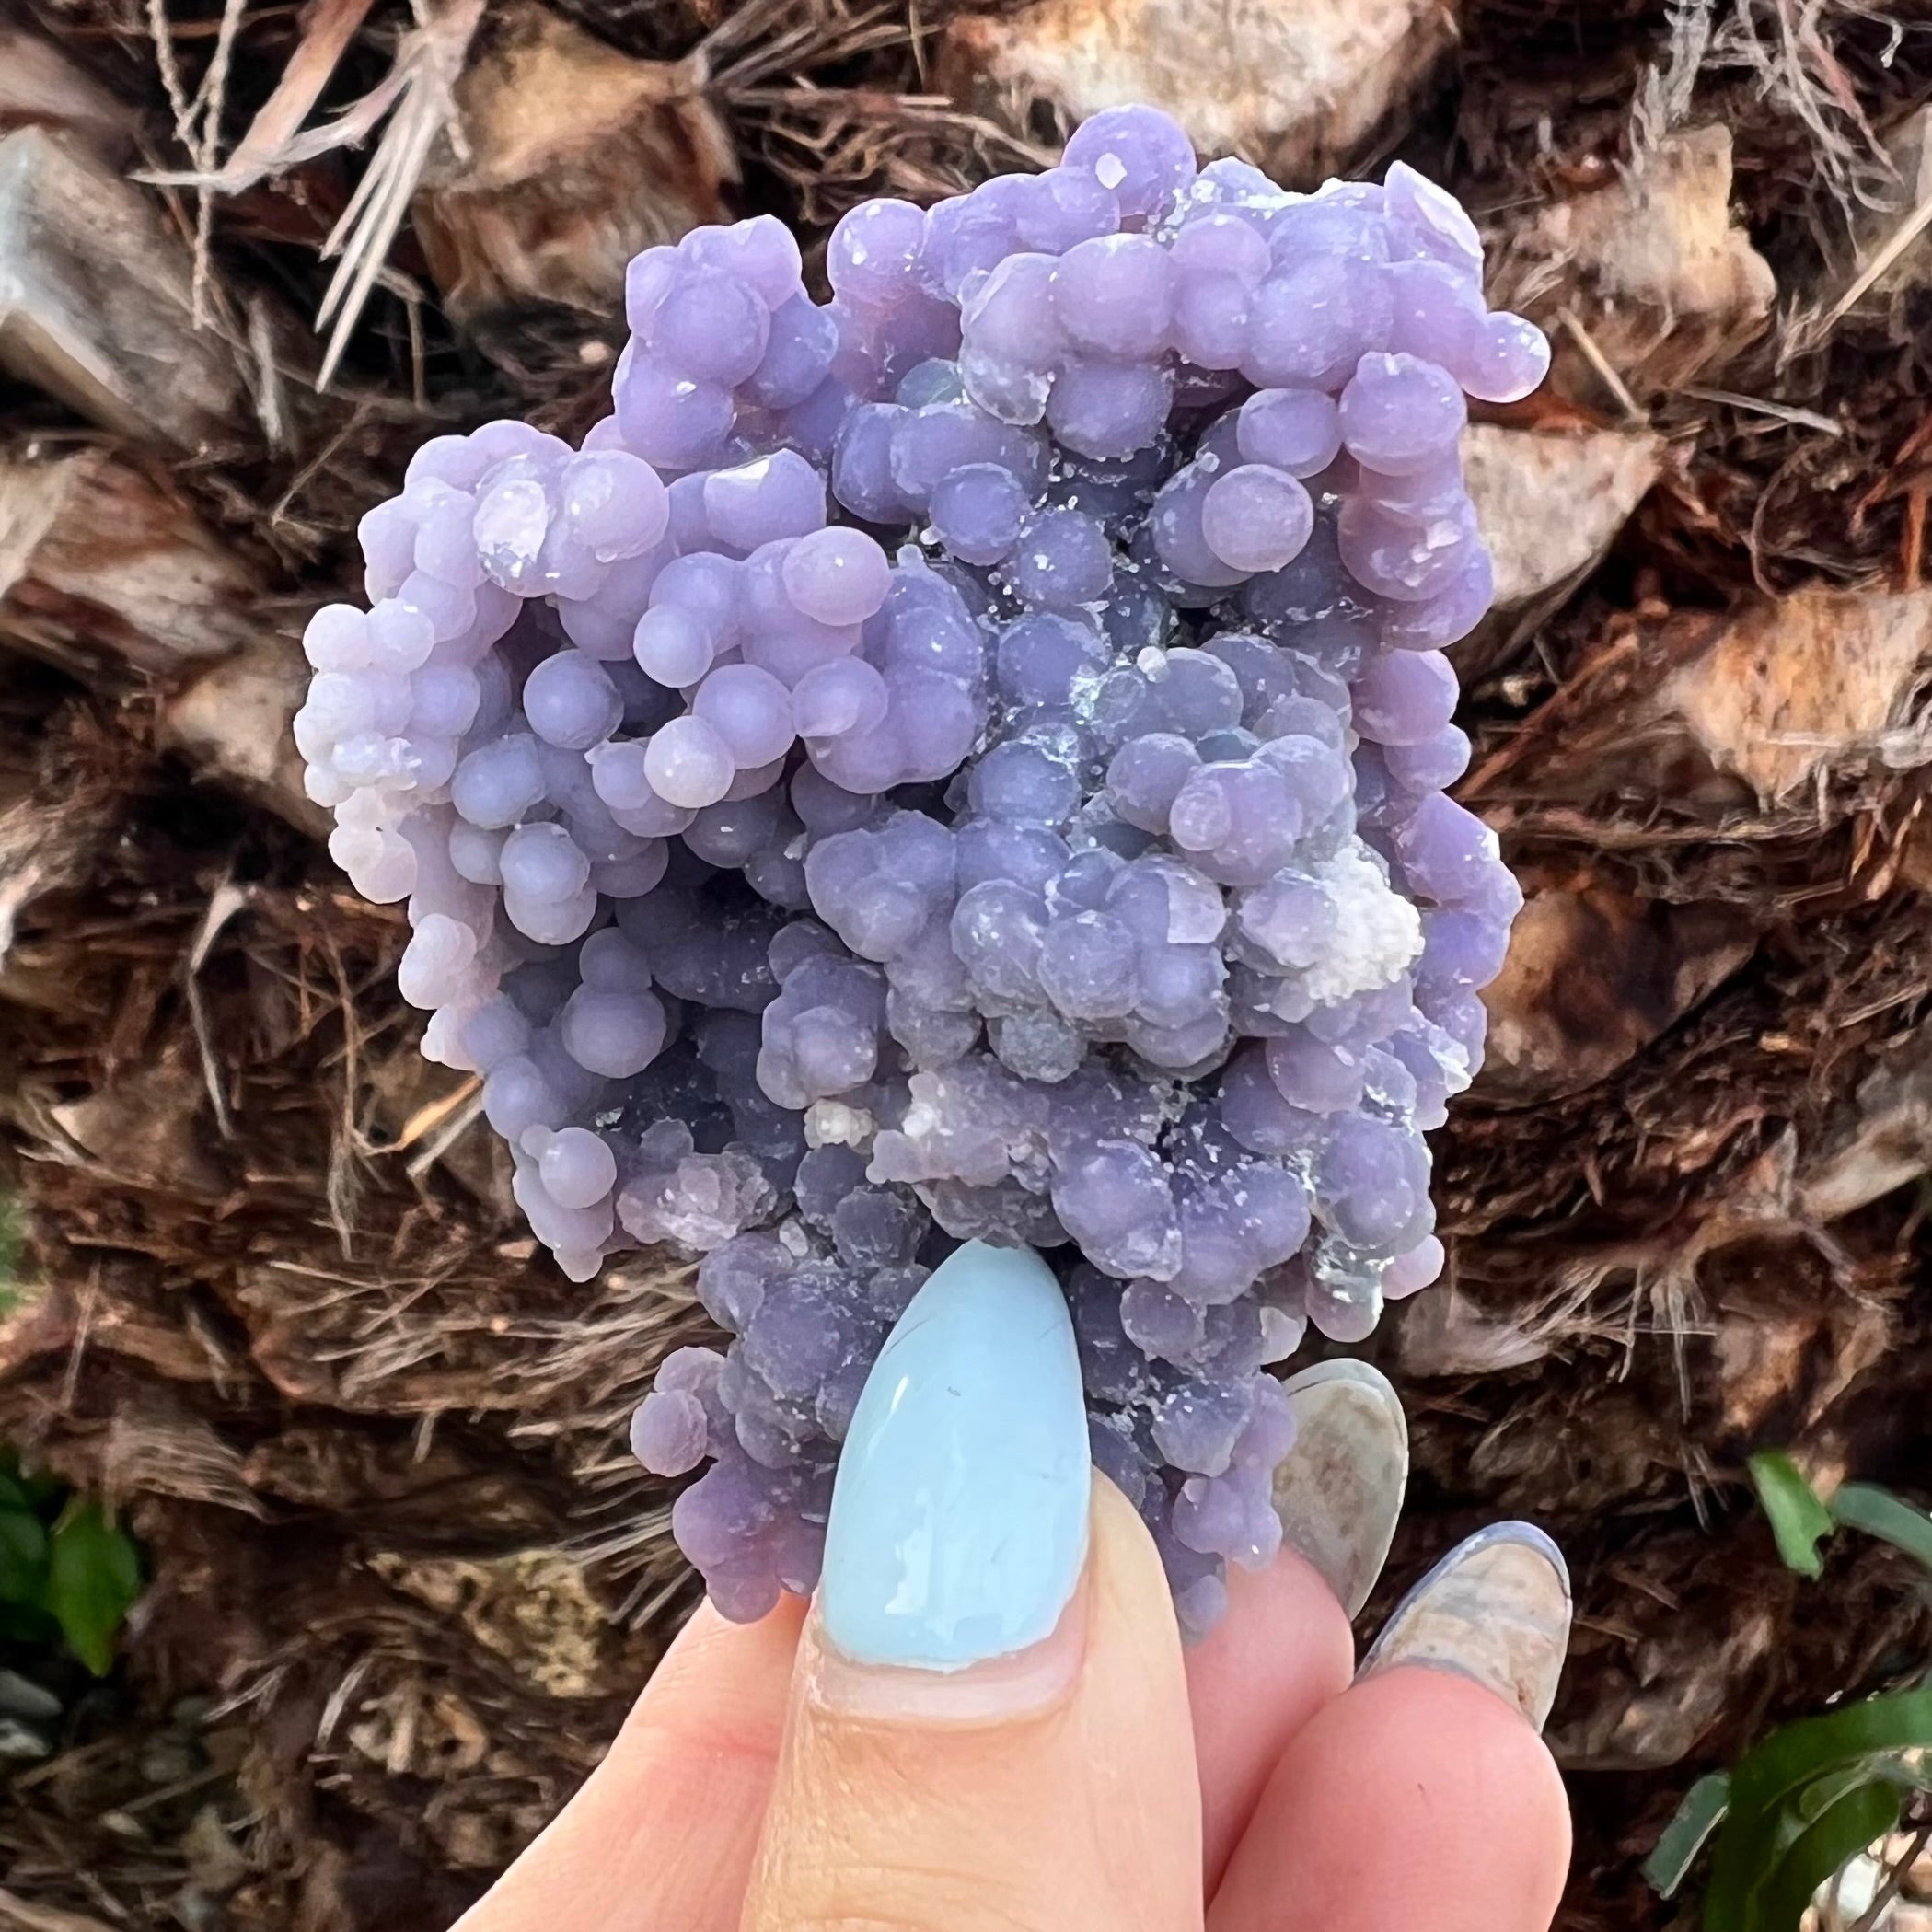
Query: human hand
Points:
[986, 1722]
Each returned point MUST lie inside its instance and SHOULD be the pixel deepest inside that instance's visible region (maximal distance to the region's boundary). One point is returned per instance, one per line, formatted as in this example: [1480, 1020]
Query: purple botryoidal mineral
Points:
[965, 759]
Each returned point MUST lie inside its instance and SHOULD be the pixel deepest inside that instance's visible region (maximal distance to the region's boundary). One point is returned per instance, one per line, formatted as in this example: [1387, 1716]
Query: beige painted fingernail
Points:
[1339, 1491]
[1497, 1610]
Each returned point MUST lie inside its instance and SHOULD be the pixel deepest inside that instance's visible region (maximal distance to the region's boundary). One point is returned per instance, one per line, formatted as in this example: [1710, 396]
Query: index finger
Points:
[1424, 1794]
[1284, 1650]
[663, 1830]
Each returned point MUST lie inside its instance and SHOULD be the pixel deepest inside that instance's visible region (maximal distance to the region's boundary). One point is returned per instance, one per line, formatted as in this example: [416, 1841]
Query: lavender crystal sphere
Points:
[964, 760]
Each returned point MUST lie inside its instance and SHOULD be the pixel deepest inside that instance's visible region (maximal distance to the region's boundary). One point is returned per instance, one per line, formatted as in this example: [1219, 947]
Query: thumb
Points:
[989, 1723]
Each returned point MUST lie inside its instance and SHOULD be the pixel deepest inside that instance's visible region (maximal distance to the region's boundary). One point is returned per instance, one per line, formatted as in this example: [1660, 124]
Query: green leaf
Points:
[1877, 1512]
[1882, 1768]
[23, 1556]
[1798, 1520]
[13, 1233]
[1766, 1821]
[1864, 1813]
[93, 1577]
[1687, 1834]
[1772, 1771]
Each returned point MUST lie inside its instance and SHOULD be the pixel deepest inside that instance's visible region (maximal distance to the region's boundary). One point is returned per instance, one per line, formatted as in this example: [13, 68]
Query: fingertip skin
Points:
[1283, 1651]
[1125, 1569]
[1421, 1759]
[719, 1688]
[664, 1830]
[1427, 1715]
[922, 1813]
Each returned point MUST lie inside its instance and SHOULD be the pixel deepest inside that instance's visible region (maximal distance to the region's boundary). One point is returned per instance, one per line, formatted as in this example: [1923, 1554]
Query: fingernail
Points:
[1495, 1610]
[958, 1525]
[1339, 1491]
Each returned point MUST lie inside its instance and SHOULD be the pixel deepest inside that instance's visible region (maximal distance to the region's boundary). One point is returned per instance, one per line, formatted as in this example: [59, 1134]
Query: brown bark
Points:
[1648, 272]
[1302, 88]
[572, 159]
[1550, 503]
[96, 302]
[1783, 691]
[1594, 974]
[102, 563]
[232, 723]
[40, 87]
[1715, 713]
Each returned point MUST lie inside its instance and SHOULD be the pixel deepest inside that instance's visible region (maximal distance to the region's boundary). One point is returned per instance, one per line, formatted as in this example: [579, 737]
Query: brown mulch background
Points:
[272, 1299]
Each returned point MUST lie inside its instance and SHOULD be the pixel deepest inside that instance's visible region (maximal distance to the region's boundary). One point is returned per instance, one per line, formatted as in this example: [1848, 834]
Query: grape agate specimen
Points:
[964, 760]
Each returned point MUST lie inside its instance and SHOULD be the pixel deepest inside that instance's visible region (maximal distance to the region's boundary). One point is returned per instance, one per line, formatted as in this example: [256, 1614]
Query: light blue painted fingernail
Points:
[959, 1517]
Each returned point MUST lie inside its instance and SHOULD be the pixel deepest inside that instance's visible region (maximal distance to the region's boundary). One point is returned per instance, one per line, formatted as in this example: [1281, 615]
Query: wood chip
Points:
[233, 723]
[1300, 87]
[1652, 266]
[1594, 976]
[566, 159]
[100, 563]
[1549, 505]
[96, 300]
[1787, 689]
[40, 87]
[1880, 1141]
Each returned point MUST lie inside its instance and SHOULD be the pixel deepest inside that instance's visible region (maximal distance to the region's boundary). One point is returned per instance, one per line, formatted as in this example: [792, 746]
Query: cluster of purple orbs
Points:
[965, 759]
